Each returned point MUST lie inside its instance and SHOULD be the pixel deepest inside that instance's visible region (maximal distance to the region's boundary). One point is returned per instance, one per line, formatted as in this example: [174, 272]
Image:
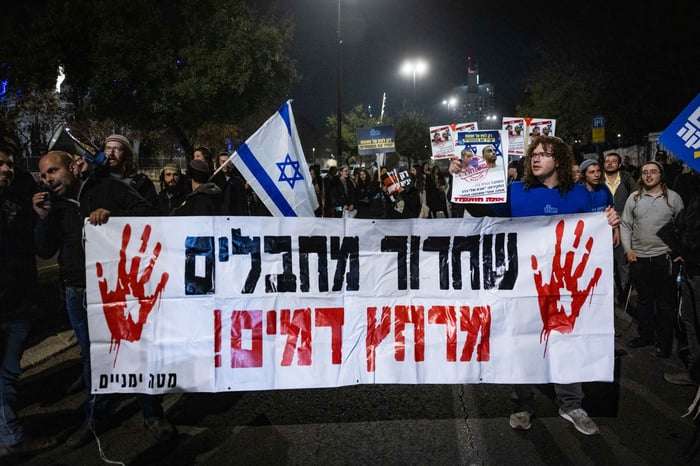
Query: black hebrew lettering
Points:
[468, 244]
[414, 262]
[246, 245]
[500, 261]
[199, 246]
[285, 282]
[318, 246]
[341, 252]
[398, 245]
[440, 244]
[223, 249]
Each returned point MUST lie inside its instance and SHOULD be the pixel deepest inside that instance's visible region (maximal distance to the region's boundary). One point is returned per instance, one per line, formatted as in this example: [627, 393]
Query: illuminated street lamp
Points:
[416, 67]
[450, 103]
[339, 88]
[491, 120]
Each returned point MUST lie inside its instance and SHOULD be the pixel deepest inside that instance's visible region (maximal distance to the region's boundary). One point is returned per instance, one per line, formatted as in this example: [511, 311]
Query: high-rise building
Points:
[476, 101]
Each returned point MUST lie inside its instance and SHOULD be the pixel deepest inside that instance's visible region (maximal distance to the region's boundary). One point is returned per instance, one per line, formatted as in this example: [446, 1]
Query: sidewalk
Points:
[47, 348]
[51, 332]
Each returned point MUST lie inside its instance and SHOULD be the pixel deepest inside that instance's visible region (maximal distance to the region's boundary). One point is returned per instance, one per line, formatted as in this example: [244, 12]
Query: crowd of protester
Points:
[655, 251]
[657, 248]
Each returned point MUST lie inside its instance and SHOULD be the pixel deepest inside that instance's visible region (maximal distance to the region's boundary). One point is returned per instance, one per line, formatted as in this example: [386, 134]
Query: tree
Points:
[412, 134]
[155, 65]
[566, 88]
[411, 131]
[26, 118]
[356, 118]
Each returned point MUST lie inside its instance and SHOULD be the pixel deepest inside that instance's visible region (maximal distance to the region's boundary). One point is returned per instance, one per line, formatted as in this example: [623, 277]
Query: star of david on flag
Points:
[288, 162]
[272, 162]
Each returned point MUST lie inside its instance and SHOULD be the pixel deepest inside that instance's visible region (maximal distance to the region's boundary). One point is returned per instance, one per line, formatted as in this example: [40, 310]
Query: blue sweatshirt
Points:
[541, 200]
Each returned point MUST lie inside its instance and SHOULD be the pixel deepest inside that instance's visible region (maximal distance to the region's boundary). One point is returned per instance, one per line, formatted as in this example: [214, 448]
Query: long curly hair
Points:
[563, 157]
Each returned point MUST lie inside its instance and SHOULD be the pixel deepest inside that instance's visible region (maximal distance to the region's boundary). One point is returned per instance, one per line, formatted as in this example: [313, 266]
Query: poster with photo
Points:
[443, 142]
[537, 127]
[482, 179]
[515, 128]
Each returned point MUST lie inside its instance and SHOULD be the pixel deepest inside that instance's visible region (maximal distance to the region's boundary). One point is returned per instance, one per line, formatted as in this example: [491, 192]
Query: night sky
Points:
[378, 35]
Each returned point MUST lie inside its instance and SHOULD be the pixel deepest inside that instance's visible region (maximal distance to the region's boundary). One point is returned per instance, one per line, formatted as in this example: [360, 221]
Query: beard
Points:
[171, 187]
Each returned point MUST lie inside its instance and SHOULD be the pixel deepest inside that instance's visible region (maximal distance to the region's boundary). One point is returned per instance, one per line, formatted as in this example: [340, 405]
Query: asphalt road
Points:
[639, 416]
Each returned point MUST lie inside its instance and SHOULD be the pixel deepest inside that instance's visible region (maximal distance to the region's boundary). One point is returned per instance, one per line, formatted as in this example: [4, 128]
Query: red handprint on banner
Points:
[563, 275]
[120, 322]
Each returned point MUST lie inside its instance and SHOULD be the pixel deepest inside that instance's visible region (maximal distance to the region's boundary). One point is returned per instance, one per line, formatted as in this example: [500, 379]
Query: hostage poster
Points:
[484, 158]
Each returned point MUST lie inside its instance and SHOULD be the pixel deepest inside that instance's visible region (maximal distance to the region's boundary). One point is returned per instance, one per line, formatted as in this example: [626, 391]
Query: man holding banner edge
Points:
[547, 189]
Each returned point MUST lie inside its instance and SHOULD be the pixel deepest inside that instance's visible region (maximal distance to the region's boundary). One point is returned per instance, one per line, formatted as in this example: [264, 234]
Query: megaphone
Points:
[63, 139]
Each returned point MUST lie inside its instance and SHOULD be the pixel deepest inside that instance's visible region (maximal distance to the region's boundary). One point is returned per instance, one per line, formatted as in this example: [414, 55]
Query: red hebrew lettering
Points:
[246, 320]
[563, 275]
[446, 315]
[333, 317]
[271, 322]
[296, 329]
[217, 338]
[412, 315]
[478, 322]
[120, 322]
[376, 333]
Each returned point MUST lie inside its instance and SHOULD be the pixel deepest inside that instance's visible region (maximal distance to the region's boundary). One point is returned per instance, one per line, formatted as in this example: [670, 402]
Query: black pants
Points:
[654, 280]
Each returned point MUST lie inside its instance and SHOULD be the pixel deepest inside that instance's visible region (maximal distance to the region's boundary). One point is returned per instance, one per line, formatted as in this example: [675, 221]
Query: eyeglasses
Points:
[650, 172]
[546, 155]
[114, 149]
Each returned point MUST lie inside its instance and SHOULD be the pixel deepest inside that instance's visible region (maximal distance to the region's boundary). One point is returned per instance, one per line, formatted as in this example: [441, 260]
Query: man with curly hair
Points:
[547, 188]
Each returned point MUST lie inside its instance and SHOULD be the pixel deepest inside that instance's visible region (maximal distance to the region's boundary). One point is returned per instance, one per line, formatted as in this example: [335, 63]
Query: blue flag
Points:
[682, 137]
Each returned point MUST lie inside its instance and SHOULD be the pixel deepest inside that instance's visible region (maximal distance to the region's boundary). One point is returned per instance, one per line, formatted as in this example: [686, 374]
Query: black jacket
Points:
[234, 197]
[205, 200]
[145, 187]
[340, 194]
[169, 201]
[62, 230]
[17, 260]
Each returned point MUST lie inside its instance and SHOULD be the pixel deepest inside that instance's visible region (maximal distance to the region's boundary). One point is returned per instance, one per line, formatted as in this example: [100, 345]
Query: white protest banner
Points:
[482, 179]
[209, 304]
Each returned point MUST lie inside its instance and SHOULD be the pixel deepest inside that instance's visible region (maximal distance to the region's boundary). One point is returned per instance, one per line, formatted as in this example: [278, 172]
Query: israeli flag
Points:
[273, 163]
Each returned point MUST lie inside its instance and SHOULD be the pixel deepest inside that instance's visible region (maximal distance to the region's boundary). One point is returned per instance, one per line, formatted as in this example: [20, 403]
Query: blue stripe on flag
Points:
[265, 181]
[284, 113]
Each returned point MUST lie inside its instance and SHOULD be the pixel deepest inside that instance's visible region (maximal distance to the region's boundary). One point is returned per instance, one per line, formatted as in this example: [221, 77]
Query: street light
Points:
[491, 118]
[415, 67]
[339, 110]
[451, 102]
